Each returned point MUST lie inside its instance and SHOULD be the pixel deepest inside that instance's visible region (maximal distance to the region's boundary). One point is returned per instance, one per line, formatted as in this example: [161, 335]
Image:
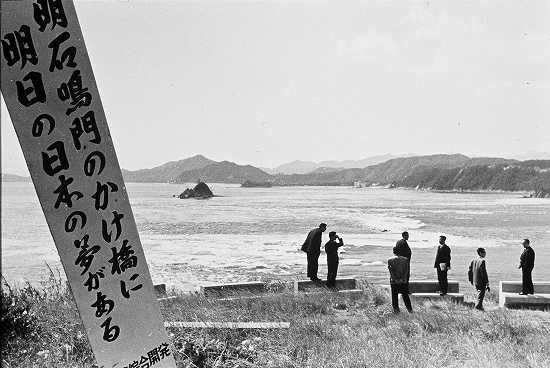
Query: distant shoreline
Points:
[274, 185]
[525, 193]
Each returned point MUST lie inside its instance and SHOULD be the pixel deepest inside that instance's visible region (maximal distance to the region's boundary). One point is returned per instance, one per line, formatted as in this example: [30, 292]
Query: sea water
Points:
[247, 234]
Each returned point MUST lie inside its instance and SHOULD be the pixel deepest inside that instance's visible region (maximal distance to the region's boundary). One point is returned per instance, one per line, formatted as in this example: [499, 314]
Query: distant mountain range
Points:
[430, 172]
[224, 172]
[305, 167]
[437, 172]
[168, 172]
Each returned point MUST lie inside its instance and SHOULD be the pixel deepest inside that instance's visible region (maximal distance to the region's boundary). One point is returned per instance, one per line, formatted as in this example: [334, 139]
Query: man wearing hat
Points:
[312, 246]
[331, 249]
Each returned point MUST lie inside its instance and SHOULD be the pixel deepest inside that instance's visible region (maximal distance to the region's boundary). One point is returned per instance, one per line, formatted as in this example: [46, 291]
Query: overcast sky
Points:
[269, 82]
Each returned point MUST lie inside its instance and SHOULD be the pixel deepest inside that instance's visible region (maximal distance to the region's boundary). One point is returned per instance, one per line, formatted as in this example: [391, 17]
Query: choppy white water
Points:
[255, 232]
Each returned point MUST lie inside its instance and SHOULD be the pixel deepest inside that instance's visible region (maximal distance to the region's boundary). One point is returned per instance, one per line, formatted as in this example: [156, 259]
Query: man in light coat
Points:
[477, 275]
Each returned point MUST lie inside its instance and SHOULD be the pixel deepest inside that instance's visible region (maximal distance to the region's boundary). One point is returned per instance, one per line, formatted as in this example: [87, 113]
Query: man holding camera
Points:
[331, 248]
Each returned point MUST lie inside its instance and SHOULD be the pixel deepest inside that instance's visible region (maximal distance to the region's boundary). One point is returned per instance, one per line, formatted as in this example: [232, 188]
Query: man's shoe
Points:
[480, 309]
[522, 293]
[442, 294]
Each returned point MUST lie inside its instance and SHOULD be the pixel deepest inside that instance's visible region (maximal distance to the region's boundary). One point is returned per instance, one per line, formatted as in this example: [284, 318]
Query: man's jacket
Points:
[399, 270]
[312, 244]
[331, 249]
[403, 249]
[443, 256]
[477, 273]
[527, 259]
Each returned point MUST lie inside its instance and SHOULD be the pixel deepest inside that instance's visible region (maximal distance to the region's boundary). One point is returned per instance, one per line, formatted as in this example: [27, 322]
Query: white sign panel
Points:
[53, 101]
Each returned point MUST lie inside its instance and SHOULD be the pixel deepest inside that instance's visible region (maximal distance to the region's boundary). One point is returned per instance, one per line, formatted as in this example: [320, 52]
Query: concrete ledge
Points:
[541, 287]
[311, 292]
[227, 290]
[508, 295]
[509, 300]
[328, 291]
[340, 284]
[431, 286]
[232, 325]
[429, 289]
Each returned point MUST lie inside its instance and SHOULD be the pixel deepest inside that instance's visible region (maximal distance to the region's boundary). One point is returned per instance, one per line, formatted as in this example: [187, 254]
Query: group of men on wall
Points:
[399, 266]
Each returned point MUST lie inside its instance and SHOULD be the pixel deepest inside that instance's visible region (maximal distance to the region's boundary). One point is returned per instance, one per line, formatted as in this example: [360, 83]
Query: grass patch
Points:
[41, 328]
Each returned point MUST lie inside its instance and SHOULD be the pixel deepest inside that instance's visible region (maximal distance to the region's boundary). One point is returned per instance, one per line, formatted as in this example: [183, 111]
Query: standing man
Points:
[331, 249]
[443, 264]
[399, 282]
[402, 246]
[403, 249]
[527, 263]
[312, 246]
[477, 275]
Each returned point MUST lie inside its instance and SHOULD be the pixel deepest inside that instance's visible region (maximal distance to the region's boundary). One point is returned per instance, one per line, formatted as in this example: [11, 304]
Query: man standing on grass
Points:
[331, 249]
[477, 275]
[443, 264]
[527, 263]
[312, 246]
[399, 282]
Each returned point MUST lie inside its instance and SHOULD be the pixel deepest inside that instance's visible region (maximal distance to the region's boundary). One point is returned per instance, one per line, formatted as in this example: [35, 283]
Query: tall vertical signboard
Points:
[52, 97]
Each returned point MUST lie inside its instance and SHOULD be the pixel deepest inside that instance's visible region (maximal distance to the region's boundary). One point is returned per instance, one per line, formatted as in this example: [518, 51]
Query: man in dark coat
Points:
[331, 249]
[477, 275]
[312, 246]
[443, 264]
[399, 281]
[402, 248]
[527, 263]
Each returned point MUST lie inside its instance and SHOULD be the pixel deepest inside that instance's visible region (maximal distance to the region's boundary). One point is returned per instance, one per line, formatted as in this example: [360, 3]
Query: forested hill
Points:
[391, 171]
[224, 172]
[483, 177]
[167, 172]
[438, 172]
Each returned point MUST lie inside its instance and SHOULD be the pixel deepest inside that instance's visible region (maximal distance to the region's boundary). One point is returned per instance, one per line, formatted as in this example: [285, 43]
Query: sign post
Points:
[53, 100]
